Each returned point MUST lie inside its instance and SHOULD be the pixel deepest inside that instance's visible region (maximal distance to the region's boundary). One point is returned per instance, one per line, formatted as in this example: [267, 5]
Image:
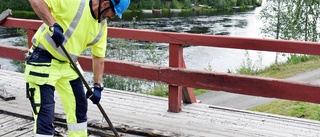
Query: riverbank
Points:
[293, 108]
[305, 71]
[138, 7]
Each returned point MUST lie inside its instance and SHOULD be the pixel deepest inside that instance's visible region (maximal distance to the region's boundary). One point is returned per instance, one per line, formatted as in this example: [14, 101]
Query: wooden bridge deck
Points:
[143, 113]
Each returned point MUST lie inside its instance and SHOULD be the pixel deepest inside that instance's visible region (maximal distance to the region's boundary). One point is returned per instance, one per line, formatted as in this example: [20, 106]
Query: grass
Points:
[291, 108]
[282, 107]
[162, 91]
[288, 70]
[285, 107]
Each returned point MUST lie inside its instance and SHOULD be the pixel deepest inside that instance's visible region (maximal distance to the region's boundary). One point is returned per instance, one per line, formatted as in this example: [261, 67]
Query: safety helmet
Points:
[120, 6]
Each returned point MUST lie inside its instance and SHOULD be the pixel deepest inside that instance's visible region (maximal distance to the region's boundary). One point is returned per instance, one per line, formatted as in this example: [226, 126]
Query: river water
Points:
[239, 24]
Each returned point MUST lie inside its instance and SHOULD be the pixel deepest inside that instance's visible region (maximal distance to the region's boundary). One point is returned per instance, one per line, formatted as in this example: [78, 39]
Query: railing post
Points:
[175, 92]
[187, 93]
[30, 33]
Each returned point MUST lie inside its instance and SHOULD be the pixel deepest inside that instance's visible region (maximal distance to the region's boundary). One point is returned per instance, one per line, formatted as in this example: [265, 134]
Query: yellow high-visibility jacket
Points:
[81, 30]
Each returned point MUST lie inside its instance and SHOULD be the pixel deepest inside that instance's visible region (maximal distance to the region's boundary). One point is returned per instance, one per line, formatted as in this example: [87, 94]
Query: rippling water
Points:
[240, 24]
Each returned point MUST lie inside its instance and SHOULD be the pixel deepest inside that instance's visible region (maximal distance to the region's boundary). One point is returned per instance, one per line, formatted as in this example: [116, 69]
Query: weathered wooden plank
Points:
[234, 83]
[13, 52]
[4, 94]
[4, 15]
[6, 120]
[25, 131]
[142, 112]
[15, 127]
[7, 97]
[181, 77]
[22, 23]
[175, 92]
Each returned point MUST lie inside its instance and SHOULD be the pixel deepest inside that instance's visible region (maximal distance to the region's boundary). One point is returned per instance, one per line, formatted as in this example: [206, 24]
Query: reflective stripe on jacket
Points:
[81, 30]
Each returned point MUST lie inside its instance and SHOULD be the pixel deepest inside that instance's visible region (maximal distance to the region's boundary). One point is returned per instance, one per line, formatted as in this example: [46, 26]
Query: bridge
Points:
[180, 114]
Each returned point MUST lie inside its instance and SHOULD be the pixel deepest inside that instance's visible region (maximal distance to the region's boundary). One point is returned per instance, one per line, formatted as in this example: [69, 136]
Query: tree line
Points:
[291, 20]
[18, 5]
[23, 5]
[186, 4]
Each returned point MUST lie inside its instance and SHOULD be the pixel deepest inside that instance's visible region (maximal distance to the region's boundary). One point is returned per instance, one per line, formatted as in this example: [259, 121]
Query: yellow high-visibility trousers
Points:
[44, 74]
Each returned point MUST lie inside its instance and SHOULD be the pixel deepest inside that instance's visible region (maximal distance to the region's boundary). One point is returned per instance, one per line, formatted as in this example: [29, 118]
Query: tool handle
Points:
[90, 91]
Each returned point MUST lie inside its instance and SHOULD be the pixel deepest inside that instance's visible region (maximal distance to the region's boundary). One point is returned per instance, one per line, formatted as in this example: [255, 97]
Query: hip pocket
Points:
[37, 73]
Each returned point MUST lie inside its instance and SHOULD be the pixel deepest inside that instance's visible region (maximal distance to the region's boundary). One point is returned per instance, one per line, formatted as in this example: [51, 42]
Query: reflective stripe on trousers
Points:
[39, 135]
[76, 130]
[43, 75]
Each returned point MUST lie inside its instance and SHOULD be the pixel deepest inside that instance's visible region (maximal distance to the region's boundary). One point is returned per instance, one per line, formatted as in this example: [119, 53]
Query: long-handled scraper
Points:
[90, 91]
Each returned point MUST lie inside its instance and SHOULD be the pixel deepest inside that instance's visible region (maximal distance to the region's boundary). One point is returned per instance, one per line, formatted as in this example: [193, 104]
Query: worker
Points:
[76, 25]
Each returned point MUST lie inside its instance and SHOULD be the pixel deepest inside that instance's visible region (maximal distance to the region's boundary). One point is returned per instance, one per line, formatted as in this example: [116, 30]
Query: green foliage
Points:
[174, 4]
[259, 2]
[120, 83]
[160, 90]
[132, 51]
[186, 4]
[200, 91]
[291, 108]
[147, 4]
[241, 2]
[209, 67]
[296, 59]
[158, 4]
[227, 4]
[20, 65]
[24, 40]
[296, 64]
[285, 107]
[291, 20]
[247, 66]
[24, 14]
[22, 5]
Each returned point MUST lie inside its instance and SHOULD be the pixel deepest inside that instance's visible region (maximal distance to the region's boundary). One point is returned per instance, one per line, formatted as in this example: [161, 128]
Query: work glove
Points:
[96, 95]
[57, 34]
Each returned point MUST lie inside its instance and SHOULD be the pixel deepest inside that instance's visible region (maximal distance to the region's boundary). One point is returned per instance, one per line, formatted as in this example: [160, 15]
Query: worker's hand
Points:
[96, 95]
[57, 34]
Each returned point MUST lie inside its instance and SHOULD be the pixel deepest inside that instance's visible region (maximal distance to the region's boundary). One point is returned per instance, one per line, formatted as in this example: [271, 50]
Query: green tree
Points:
[307, 16]
[19, 5]
[174, 4]
[241, 2]
[222, 4]
[186, 4]
[158, 4]
[290, 20]
[275, 20]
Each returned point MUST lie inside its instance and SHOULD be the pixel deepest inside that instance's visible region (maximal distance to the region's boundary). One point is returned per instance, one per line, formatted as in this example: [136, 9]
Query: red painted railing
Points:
[178, 77]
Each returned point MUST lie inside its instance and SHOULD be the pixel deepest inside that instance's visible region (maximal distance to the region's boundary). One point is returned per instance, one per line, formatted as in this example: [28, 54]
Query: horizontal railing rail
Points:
[179, 78]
